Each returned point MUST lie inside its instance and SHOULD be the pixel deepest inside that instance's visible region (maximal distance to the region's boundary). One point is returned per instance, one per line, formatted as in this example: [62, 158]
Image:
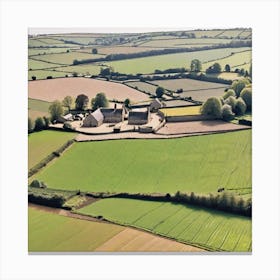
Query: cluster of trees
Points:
[214, 69]
[40, 123]
[236, 101]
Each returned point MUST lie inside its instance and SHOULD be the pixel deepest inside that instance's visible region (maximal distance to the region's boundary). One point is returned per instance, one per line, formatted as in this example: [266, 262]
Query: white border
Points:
[17, 16]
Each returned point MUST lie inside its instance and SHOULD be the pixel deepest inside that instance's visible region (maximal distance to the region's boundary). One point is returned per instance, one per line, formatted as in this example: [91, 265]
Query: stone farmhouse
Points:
[139, 116]
[155, 105]
[63, 119]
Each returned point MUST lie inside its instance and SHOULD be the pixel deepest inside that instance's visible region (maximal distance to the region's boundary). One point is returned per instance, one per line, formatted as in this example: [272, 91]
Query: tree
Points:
[227, 68]
[81, 102]
[246, 95]
[55, 110]
[229, 92]
[46, 121]
[105, 71]
[214, 69]
[94, 51]
[195, 65]
[33, 78]
[67, 102]
[100, 100]
[227, 113]
[30, 125]
[212, 107]
[159, 92]
[238, 85]
[127, 102]
[240, 107]
[231, 101]
[39, 124]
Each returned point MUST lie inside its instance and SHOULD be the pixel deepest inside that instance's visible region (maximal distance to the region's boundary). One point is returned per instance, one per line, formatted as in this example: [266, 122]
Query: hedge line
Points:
[49, 158]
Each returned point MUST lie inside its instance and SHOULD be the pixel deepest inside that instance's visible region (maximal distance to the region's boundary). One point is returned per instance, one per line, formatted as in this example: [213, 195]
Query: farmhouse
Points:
[93, 119]
[63, 119]
[155, 105]
[139, 116]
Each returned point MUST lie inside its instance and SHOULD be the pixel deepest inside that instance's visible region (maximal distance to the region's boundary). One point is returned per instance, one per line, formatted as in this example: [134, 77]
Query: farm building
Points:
[63, 119]
[113, 115]
[155, 105]
[79, 117]
[139, 116]
[93, 119]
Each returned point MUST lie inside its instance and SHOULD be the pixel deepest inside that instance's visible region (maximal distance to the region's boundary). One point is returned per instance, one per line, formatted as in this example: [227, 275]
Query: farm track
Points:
[128, 230]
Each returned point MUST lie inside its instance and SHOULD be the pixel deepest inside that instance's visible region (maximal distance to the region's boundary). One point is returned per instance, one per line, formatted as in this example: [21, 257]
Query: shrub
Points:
[246, 95]
[212, 107]
[238, 86]
[37, 184]
[227, 113]
[30, 125]
[39, 124]
[240, 107]
[46, 121]
[231, 101]
[159, 92]
[49, 77]
[33, 78]
[229, 92]
[67, 126]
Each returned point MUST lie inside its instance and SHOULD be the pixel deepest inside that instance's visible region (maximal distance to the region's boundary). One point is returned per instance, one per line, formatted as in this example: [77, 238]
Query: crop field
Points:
[43, 143]
[148, 65]
[181, 111]
[50, 90]
[203, 94]
[201, 164]
[75, 235]
[43, 74]
[66, 58]
[143, 87]
[41, 51]
[233, 60]
[214, 230]
[187, 84]
[83, 69]
[37, 108]
[36, 64]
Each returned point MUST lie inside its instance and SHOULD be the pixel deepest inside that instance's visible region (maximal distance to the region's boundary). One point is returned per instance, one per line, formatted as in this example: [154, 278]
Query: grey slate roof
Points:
[97, 114]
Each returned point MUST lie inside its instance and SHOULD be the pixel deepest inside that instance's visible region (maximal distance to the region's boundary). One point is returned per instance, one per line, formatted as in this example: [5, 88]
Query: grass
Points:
[214, 230]
[48, 232]
[247, 116]
[37, 108]
[84, 69]
[201, 164]
[203, 95]
[147, 65]
[41, 144]
[182, 111]
[43, 74]
[66, 58]
[41, 51]
[36, 64]
[145, 87]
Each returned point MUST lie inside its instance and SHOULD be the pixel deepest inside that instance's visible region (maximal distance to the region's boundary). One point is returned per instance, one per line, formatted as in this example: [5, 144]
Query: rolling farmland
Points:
[43, 143]
[209, 229]
[200, 164]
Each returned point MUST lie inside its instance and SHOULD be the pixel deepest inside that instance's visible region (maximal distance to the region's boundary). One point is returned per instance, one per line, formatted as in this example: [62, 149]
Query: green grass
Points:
[85, 69]
[143, 87]
[207, 228]
[247, 116]
[48, 232]
[37, 108]
[201, 164]
[147, 65]
[41, 144]
[66, 58]
[181, 111]
[43, 74]
[41, 51]
[36, 64]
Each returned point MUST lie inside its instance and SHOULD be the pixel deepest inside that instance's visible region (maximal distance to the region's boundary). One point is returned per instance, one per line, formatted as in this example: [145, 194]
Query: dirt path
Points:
[129, 239]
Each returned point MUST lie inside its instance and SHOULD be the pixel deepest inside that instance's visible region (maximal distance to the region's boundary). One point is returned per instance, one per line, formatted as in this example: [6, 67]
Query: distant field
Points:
[50, 232]
[147, 65]
[50, 90]
[181, 111]
[37, 108]
[41, 42]
[43, 143]
[36, 64]
[84, 69]
[203, 95]
[218, 231]
[43, 74]
[143, 87]
[233, 60]
[124, 49]
[187, 84]
[66, 58]
[175, 103]
[41, 51]
[201, 164]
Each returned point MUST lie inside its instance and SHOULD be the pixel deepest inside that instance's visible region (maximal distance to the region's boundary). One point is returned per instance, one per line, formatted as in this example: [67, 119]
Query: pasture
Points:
[203, 94]
[147, 65]
[217, 231]
[43, 74]
[200, 164]
[38, 64]
[81, 69]
[181, 111]
[43, 143]
[37, 108]
[145, 87]
[50, 232]
[50, 90]
[41, 51]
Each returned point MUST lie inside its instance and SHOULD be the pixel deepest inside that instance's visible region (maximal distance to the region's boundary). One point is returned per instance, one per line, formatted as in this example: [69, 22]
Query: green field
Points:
[214, 230]
[84, 69]
[66, 58]
[41, 51]
[36, 64]
[148, 65]
[233, 60]
[145, 87]
[41, 144]
[181, 111]
[48, 232]
[43, 74]
[201, 164]
[37, 108]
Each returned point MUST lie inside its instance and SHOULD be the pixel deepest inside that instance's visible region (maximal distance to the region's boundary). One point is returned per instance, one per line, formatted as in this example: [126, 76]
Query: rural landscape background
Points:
[140, 142]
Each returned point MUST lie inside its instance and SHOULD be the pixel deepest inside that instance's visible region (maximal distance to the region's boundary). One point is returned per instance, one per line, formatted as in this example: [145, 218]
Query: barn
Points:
[93, 119]
[113, 115]
[139, 116]
[66, 118]
[155, 105]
